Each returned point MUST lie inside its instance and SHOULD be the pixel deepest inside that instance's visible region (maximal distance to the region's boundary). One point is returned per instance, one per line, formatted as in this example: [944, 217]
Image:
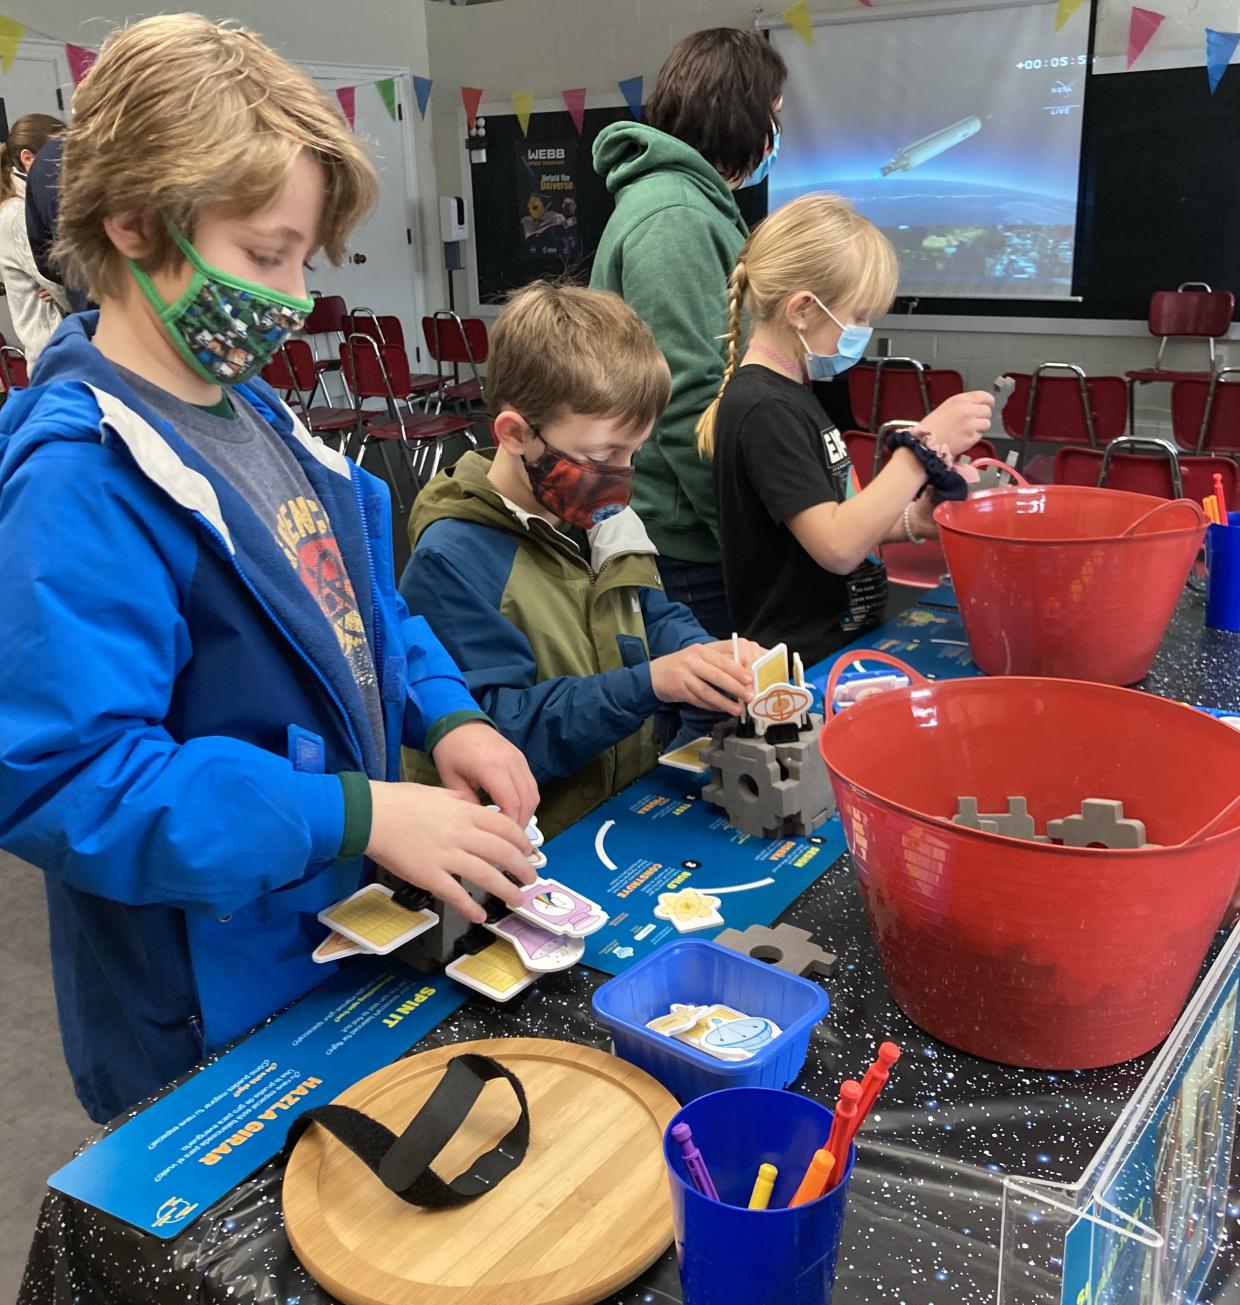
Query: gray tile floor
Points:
[41, 1123]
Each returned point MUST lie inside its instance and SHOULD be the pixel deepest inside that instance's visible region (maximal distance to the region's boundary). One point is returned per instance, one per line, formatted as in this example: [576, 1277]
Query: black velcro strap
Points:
[404, 1163]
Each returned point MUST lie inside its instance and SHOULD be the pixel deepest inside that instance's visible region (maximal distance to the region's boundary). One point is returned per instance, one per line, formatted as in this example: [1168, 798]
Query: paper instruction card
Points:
[372, 918]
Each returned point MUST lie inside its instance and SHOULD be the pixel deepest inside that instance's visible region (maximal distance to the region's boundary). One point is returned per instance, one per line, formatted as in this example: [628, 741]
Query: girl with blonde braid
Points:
[798, 535]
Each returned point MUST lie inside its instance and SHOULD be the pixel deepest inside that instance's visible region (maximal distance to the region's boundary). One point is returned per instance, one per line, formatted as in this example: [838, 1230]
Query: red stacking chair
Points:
[1147, 466]
[1045, 408]
[14, 375]
[457, 342]
[386, 329]
[324, 331]
[381, 371]
[1193, 312]
[292, 371]
[1205, 414]
[898, 389]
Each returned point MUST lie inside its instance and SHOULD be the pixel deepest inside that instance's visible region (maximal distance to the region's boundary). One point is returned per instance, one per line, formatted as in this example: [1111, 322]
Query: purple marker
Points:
[699, 1175]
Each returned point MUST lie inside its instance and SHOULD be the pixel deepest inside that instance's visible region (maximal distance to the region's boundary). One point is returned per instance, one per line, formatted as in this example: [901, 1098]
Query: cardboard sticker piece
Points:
[538, 858]
[679, 1019]
[770, 670]
[374, 920]
[558, 909]
[729, 1034]
[689, 910]
[539, 950]
[688, 756]
[532, 832]
[496, 971]
[335, 947]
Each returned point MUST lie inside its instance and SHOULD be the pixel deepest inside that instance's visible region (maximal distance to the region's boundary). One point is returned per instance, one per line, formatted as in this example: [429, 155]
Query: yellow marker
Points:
[816, 1178]
[761, 1195]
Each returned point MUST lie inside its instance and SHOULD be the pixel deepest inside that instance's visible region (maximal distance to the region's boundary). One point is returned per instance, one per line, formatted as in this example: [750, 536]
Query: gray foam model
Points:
[1101, 823]
[769, 790]
[1015, 822]
[784, 946]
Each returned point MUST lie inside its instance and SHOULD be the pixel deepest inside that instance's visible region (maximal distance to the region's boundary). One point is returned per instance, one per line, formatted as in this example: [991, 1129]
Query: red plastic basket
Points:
[1030, 953]
[1068, 581]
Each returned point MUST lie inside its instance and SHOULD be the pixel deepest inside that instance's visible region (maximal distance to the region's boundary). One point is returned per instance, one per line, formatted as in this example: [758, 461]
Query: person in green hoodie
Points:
[712, 126]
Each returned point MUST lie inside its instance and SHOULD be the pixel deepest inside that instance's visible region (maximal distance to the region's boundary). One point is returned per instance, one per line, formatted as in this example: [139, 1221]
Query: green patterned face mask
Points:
[225, 328]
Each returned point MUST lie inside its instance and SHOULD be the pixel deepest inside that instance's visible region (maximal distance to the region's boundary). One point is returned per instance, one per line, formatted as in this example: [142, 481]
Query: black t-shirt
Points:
[776, 454]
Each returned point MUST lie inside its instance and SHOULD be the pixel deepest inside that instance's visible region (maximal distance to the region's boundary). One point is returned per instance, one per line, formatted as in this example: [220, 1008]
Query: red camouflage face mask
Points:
[578, 490]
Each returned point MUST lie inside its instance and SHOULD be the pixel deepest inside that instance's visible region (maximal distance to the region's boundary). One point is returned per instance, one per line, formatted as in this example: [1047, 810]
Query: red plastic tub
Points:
[1030, 953]
[1068, 581]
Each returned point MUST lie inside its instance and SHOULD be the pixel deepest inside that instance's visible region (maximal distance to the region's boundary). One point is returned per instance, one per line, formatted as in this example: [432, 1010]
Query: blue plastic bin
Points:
[700, 973]
[1223, 574]
[730, 1254]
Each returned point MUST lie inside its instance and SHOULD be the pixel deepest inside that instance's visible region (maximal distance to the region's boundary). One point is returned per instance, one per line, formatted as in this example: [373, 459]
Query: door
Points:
[380, 270]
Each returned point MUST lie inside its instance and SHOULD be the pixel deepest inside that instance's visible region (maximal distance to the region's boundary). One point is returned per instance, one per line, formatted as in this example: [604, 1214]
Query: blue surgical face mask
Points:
[850, 350]
[758, 175]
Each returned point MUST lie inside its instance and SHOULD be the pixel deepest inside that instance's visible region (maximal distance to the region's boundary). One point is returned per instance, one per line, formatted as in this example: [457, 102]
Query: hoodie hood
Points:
[628, 153]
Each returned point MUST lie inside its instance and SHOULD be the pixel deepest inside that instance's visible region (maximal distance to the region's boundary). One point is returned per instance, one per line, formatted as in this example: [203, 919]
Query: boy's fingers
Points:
[498, 825]
[450, 893]
[489, 879]
[705, 695]
[714, 664]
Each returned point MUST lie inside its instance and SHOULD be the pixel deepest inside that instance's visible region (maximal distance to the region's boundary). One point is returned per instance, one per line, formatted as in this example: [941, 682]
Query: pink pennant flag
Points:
[471, 98]
[575, 103]
[81, 61]
[1141, 28]
[347, 95]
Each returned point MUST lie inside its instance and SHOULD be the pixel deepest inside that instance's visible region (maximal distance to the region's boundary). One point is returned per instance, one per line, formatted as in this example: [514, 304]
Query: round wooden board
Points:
[585, 1212]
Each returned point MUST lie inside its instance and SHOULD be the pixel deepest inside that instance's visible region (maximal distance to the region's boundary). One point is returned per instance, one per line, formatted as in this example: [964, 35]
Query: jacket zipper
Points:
[374, 608]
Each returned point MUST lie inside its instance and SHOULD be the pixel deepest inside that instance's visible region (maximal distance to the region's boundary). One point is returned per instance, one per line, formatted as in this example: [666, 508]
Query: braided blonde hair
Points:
[818, 243]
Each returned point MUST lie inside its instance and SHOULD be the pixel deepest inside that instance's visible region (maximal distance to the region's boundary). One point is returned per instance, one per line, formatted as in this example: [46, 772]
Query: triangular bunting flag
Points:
[471, 98]
[631, 89]
[575, 102]
[11, 33]
[81, 61]
[799, 18]
[387, 93]
[1220, 46]
[522, 103]
[347, 95]
[422, 89]
[1065, 11]
[1141, 28]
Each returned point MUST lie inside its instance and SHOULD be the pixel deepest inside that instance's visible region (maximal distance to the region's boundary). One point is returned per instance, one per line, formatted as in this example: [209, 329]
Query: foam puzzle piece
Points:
[769, 789]
[687, 910]
[1101, 823]
[785, 947]
[1015, 822]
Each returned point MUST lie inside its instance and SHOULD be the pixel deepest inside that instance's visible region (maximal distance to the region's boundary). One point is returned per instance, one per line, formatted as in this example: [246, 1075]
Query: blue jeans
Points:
[699, 585]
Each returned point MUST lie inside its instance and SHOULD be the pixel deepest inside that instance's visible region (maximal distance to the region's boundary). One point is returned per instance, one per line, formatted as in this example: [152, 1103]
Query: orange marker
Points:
[817, 1176]
[1220, 499]
[1210, 504]
[841, 1123]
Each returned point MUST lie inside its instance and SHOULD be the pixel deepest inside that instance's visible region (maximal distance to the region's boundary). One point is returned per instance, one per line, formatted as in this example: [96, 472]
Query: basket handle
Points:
[1230, 810]
[1199, 517]
[1002, 466]
[864, 655]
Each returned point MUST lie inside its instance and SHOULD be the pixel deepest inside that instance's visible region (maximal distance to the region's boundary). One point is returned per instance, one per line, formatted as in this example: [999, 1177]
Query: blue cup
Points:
[729, 1254]
[1223, 575]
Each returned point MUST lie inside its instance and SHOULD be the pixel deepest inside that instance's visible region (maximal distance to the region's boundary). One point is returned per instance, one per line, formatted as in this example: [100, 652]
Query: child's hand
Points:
[431, 837]
[706, 675]
[959, 422]
[474, 756]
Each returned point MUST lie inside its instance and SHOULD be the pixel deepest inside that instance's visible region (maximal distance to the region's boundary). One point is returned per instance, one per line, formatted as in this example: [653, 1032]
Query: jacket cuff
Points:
[638, 694]
[322, 806]
[358, 814]
[446, 724]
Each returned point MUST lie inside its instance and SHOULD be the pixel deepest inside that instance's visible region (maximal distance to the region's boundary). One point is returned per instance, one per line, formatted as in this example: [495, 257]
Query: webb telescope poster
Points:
[547, 202]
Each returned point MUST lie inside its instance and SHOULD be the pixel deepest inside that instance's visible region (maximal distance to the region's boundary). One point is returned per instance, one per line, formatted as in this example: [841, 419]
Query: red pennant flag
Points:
[1141, 28]
[347, 95]
[575, 102]
[471, 98]
[81, 61]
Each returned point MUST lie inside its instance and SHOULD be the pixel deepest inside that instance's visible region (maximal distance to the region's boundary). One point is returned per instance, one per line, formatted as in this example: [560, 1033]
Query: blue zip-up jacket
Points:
[173, 713]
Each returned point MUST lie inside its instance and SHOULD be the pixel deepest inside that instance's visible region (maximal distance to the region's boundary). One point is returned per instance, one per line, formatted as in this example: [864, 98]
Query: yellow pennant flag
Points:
[1066, 9]
[11, 33]
[522, 103]
[799, 18]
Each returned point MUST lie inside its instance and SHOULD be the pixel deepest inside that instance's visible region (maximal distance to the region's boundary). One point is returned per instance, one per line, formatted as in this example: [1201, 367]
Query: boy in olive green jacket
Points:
[537, 575]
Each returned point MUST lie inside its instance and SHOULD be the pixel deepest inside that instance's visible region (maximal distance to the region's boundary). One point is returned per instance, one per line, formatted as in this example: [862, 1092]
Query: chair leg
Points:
[437, 459]
[391, 474]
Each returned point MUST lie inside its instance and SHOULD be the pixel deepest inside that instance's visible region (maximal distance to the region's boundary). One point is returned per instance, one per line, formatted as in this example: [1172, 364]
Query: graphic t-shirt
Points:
[777, 453]
[244, 449]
